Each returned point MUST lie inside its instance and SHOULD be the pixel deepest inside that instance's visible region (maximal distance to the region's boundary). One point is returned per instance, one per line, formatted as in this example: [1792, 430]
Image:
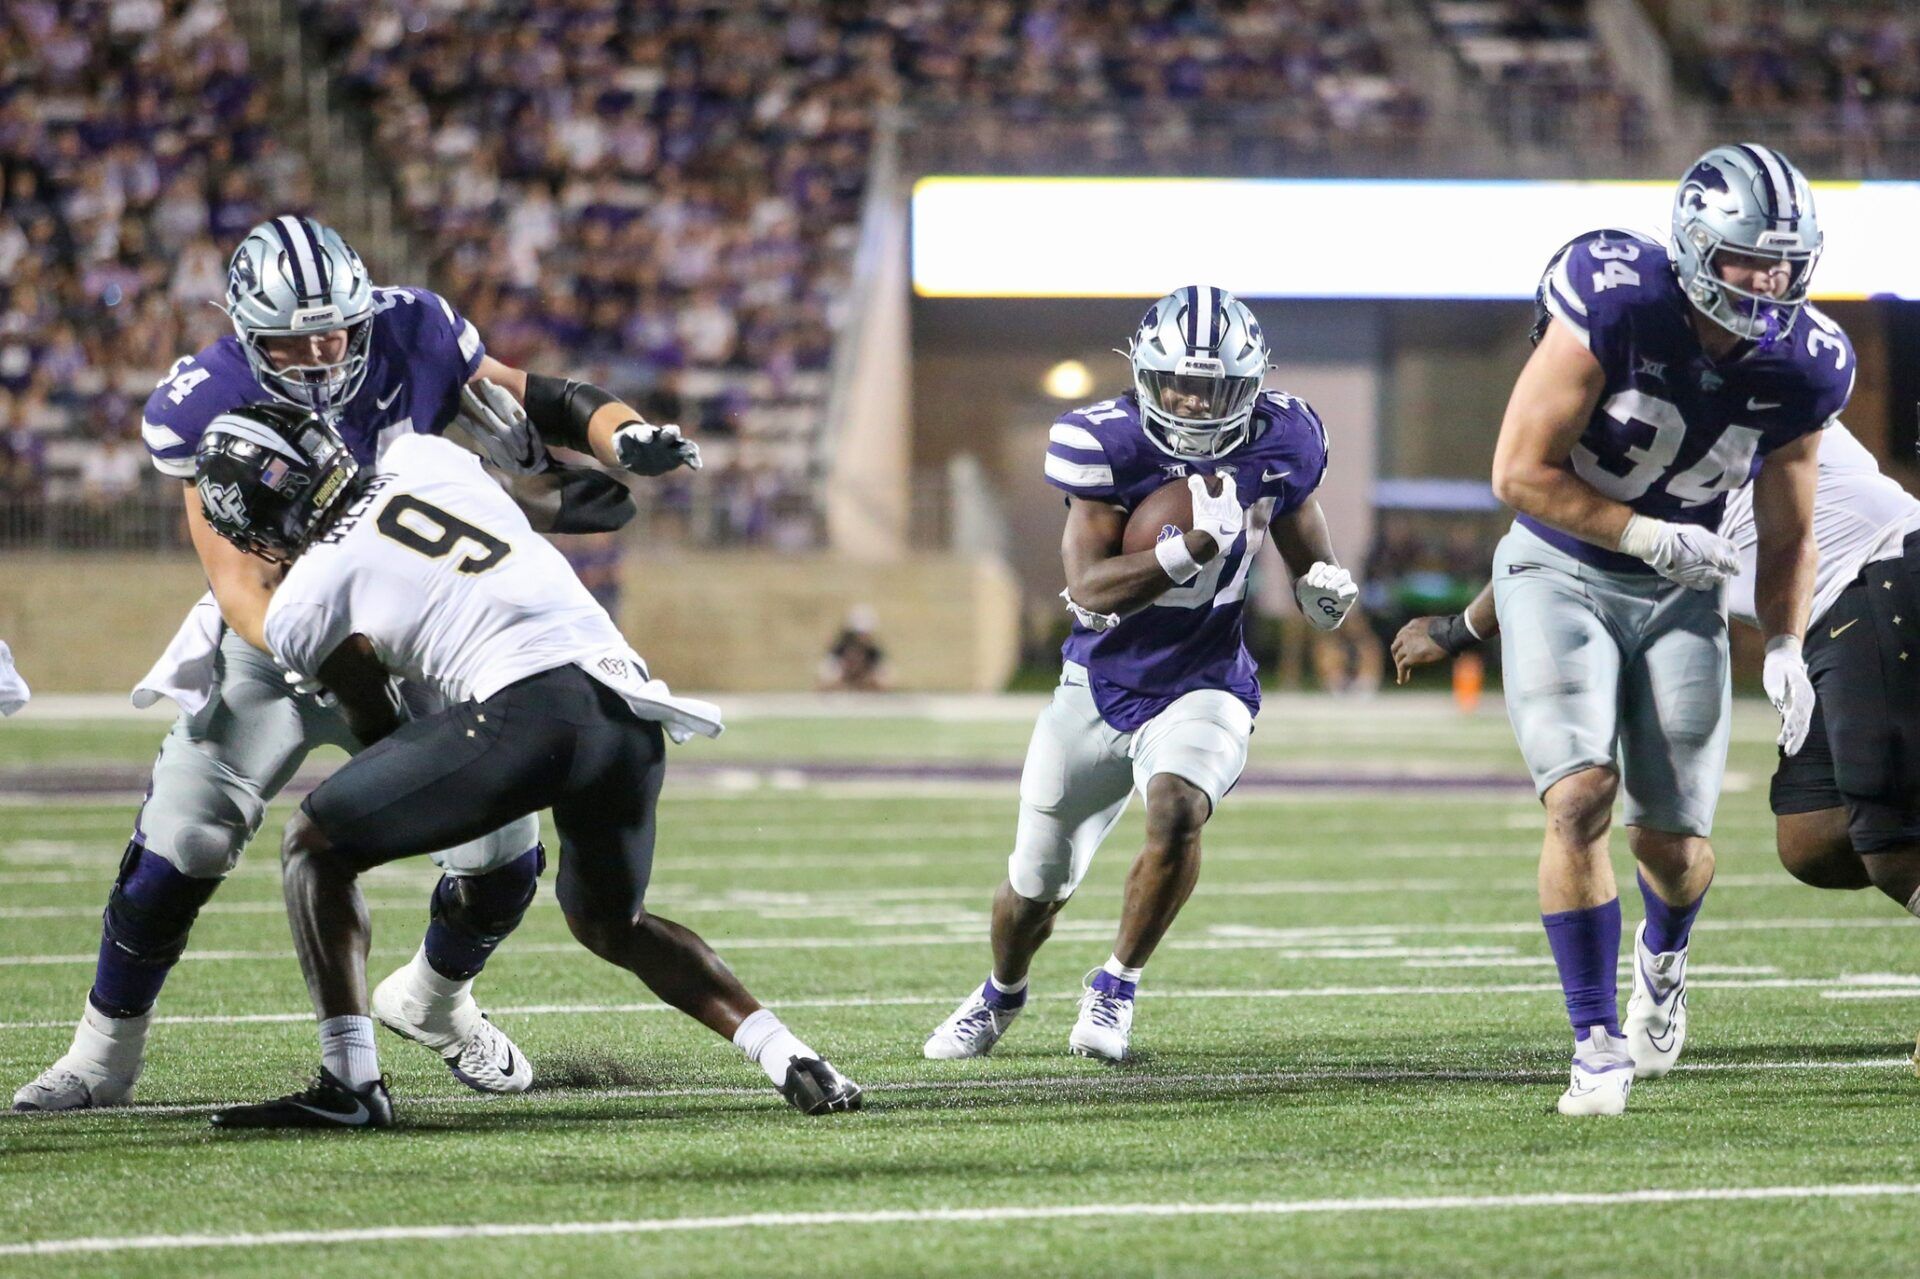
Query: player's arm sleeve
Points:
[302, 635]
[452, 332]
[1592, 285]
[572, 499]
[169, 438]
[1077, 462]
[368, 701]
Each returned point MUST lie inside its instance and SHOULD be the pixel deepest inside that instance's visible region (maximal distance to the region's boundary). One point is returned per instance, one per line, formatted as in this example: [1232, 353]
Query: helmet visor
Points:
[1198, 399]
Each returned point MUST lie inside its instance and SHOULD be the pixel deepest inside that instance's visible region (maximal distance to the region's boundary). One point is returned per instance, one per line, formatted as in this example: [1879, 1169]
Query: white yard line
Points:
[1449, 1204]
[1859, 981]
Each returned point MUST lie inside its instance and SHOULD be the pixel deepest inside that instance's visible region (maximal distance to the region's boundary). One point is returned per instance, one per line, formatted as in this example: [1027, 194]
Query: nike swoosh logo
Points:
[1274, 475]
[507, 1068]
[1837, 631]
[1760, 406]
[360, 1115]
[391, 397]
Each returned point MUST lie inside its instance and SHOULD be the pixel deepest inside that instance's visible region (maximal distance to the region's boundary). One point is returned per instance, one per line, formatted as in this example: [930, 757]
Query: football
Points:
[1169, 506]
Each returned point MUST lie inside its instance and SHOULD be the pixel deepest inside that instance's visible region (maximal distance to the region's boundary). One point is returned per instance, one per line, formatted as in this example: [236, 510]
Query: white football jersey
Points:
[438, 568]
[1859, 515]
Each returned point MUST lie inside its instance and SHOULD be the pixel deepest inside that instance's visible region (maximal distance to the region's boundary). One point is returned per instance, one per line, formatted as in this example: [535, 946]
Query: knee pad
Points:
[488, 907]
[152, 908]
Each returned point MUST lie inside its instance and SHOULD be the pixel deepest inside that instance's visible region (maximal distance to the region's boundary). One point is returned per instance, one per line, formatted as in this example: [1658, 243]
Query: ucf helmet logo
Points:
[223, 503]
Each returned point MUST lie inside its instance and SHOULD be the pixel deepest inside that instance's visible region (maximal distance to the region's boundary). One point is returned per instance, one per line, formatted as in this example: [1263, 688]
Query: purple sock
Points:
[1667, 926]
[1107, 984]
[1007, 1001]
[1586, 950]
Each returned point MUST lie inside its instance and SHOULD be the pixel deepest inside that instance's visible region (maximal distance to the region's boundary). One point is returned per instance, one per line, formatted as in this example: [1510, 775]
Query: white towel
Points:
[185, 672]
[621, 670]
[13, 690]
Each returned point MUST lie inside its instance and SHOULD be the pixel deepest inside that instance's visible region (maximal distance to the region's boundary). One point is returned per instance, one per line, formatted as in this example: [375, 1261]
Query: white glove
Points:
[1220, 518]
[1088, 618]
[305, 687]
[1325, 594]
[499, 427]
[1697, 558]
[646, 449]
[1785, 678]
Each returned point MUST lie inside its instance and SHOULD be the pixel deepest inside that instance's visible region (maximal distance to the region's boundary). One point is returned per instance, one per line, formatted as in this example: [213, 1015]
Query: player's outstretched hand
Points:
[1219, 517]
[646, 449]
[1785, 678]
[1325, 594]
[1697, 558]
[1415, 646]
[499, 427]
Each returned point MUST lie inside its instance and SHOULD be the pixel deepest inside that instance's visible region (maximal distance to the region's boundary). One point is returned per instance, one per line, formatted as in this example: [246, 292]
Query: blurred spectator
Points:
[855, 662]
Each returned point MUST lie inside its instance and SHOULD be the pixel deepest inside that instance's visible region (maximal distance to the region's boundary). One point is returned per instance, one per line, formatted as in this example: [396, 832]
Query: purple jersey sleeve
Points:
[1824, 355]
[1593, 285]
[1077, 458]
[195, 390]
[440, 332]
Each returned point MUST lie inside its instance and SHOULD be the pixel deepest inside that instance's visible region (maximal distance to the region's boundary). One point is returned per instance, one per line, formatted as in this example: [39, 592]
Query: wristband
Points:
[1452, 634]
[560, 409]
[1642, 536]
[1176, 560]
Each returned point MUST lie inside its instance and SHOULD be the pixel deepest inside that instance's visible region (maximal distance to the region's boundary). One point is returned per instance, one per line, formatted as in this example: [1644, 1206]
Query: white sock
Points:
[1913, 904]
[346, 1050]
[108, 1047]
[429, 987]
[1114, 968]
[1005, 989]
[767, 1042]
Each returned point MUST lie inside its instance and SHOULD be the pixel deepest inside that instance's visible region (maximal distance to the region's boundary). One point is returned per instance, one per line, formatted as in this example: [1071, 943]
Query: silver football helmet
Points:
[293, 277]
[1198, 360]
[1746, 199]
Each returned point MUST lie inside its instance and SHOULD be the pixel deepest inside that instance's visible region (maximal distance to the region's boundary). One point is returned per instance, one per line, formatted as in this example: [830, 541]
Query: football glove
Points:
[500, 429]
[1325, 594]
[646, 449]
[1697, 558]
[1785, 678]
[1088, 618]
[1220, 518]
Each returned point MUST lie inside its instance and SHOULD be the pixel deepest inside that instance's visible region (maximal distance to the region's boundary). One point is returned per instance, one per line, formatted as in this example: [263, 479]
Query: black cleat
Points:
[323, 1103]
[815, 1088]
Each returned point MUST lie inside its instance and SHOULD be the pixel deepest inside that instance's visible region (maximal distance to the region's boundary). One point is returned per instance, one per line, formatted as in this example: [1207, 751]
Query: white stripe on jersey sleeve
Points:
[1078, 475]
[158, 436]
[1563, 281]
[1576, 324]
[1075, 437]
[469, 339]
[180, 468]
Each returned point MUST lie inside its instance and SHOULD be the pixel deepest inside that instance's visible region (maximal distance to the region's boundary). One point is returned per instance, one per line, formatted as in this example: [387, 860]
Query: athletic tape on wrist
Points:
[1176, 560]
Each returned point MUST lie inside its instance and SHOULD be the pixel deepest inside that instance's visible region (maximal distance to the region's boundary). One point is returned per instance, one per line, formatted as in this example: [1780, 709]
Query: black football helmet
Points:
[268, 475]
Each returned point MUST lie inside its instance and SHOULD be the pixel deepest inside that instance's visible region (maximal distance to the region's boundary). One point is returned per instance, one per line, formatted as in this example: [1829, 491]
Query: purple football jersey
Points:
[419, 356]
[1676, 431]
[1191, 637]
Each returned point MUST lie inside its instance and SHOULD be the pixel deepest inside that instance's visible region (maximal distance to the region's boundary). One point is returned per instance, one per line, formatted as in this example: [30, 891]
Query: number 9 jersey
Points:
[1676, 431]
[437, 567]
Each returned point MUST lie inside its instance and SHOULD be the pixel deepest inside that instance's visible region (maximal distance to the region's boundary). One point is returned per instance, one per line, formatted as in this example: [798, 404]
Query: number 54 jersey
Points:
[1675, 432]
[437, 567]
[1191, 637]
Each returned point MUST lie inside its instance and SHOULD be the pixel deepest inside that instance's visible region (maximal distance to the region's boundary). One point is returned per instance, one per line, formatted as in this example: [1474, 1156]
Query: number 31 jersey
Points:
[1675, 431]
[1191, 637]
[437, 567]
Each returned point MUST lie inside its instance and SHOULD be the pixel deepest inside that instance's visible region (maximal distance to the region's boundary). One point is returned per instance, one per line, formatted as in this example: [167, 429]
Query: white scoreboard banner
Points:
[987, 237]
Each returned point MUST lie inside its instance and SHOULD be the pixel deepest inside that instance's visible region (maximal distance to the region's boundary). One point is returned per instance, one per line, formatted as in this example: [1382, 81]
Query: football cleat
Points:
[1602, 1076]
[972, 1031]
[324, 1103]
[1656, 1022]
[63, 1087]
[815, 1088]
[479, 1053]
[1105, 1024]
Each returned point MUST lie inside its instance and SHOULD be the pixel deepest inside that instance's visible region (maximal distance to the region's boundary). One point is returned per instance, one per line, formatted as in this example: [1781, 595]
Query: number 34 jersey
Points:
[1191, 637]
[1675, 431]
[437, 567]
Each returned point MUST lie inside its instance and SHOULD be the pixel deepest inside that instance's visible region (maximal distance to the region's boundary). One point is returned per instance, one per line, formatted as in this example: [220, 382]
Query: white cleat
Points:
[1602, 1076]
[1104, 1027]
[477, 1052]
[972, 1031]
[64, 1086]
[1656, 1024]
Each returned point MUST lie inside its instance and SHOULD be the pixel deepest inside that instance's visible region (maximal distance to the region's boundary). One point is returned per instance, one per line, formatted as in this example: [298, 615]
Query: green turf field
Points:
[1348, 1051]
